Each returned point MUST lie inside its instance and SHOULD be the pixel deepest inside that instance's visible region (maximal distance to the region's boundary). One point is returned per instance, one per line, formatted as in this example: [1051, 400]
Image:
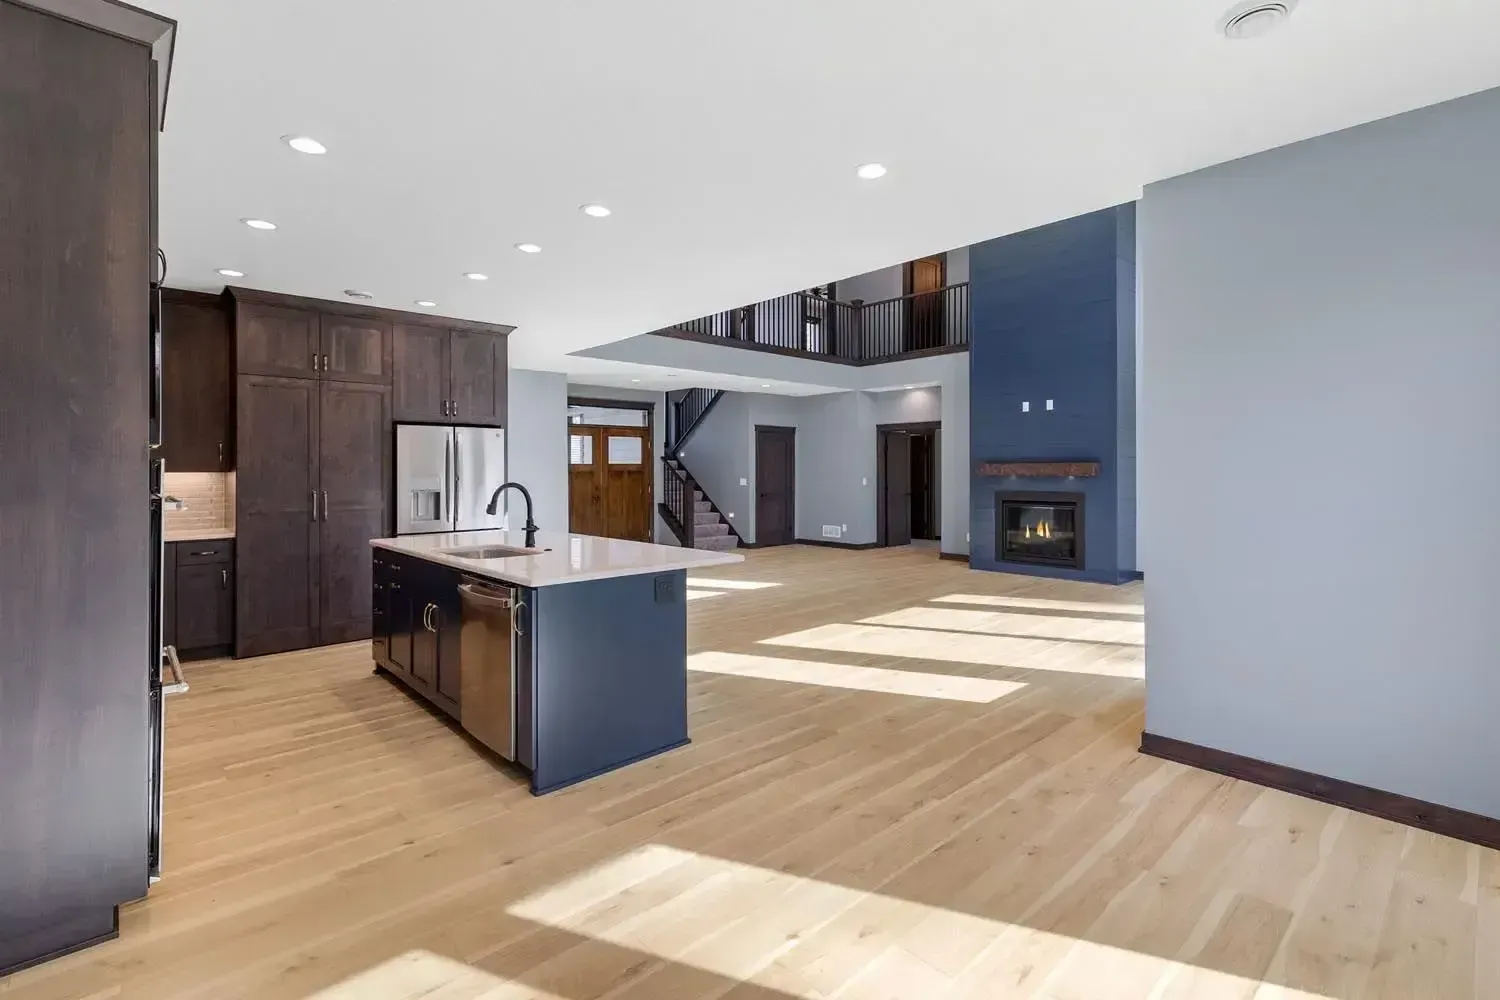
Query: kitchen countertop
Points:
[570, 559]
[199, 534]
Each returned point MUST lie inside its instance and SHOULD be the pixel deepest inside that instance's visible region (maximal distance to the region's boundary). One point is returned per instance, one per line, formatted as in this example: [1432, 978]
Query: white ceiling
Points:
[724, 136]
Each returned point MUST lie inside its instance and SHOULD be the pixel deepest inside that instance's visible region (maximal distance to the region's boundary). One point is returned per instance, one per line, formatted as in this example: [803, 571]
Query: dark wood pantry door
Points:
[277, 566]
[775, 485]
[353, 444]
[610, 482]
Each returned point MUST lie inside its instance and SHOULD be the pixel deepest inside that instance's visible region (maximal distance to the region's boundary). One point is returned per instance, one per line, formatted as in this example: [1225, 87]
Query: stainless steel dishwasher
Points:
[487, 664]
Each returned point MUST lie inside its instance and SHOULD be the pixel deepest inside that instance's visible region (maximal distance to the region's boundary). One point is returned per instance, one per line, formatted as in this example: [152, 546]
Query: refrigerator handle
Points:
[448, 481]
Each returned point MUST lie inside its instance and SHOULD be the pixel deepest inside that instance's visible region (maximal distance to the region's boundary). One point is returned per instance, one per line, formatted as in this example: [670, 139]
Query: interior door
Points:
[276, 566]
[586, 480]
[897, 488]
[628, 482]
[924, 309]
[353, 422]
[775, 486]
[923, 519]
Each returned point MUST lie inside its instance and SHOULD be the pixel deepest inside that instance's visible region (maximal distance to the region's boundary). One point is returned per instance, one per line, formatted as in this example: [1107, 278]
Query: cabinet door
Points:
[449, 621]
[398, 597]
[419, 373]
[276, 565]
[204, 612]
[197, 387]
[275, 340]
[424, 650]
[356, 350]
[354, 438]
[478, 377]
[380, 616]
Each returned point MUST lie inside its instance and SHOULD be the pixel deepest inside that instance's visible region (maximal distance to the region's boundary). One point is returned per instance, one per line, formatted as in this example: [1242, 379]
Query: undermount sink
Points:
[491, 552]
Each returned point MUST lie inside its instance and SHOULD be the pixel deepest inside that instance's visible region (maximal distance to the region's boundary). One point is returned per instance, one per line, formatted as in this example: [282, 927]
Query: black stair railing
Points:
[678, 496]
[686, 413]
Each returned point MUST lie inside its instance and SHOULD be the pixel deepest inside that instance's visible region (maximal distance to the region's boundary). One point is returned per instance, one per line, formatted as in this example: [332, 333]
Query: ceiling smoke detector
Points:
[1255, 18]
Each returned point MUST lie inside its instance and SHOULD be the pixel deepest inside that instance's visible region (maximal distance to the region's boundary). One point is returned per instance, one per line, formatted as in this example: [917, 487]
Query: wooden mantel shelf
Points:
[1040, 470]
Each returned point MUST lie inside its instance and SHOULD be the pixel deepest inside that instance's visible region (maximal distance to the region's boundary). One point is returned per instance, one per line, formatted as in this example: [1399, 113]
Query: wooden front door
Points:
[925, 307]
[775, 485]
[610, 482]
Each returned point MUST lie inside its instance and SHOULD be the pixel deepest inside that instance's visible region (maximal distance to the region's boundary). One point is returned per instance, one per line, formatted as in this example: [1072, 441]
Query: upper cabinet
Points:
[355, 349]
[197, 368]
[288, 337]
[449, 376]
[275, 340]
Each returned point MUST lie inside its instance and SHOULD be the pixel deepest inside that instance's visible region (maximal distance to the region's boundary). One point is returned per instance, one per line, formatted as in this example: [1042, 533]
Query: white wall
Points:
[1322, 350]
[910, 406]
[537, 441]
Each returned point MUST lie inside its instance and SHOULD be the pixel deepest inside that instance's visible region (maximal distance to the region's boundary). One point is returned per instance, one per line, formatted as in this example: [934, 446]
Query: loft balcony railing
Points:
[857, 333]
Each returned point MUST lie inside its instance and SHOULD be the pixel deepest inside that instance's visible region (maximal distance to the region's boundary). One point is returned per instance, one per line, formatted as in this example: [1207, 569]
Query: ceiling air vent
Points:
[1254, 19]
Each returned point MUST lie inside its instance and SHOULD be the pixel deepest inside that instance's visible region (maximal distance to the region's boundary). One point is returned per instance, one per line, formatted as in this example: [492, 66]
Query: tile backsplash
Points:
[210, 501]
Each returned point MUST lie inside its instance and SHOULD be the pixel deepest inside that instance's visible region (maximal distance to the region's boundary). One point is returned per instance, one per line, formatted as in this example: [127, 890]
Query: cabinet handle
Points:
[205, 552]
[453, 408]
[224, 578]
[325, 505]
[445, 407]
[325, 363]
[315, 506]
[221, 454]
[515, 618]
[315, 363]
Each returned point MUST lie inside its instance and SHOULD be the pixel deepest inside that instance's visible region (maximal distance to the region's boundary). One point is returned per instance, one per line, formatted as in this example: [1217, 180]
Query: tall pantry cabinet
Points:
[313, 441]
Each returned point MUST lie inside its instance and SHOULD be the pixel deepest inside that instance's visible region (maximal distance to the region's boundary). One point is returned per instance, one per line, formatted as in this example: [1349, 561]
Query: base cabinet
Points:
[198, 606]
[417, 624]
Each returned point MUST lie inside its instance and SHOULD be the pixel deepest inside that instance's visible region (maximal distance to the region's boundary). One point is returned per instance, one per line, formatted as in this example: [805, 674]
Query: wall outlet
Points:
[744, 481]
[844, 528]
[730, 515]
[864, 481]
[1049, 404]
[832, 531]
[1026, 406]
[666, 590]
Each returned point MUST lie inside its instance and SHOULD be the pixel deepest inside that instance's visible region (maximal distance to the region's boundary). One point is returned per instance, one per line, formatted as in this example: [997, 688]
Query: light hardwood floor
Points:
[907, 780]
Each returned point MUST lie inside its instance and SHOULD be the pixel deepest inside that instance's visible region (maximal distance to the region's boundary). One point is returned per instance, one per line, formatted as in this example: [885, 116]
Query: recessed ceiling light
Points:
[1255, 18]
[305, 144]
[765, 385]
[258, 223]
[635, 380]
[230, 272]
[355, 293]
[597, 211]
[426, 303]
[476, 276]
[870, 171]
[528, 248]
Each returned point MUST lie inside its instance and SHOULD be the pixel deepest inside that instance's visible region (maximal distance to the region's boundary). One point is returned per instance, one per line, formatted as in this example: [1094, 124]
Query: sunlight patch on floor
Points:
[1001, 601]
[1125, 633]
[1056, 655]
[793, 934]
[703, 581]
[698, 595]
[881, 680]
[421, 975]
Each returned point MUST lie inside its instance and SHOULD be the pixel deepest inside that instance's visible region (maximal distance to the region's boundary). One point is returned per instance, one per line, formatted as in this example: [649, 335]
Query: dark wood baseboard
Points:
[962, 557]
[829, 543]
[1466, 826]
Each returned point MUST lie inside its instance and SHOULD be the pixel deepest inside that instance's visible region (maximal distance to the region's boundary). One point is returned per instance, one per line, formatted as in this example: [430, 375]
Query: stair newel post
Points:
[690, 522]
[857, 318]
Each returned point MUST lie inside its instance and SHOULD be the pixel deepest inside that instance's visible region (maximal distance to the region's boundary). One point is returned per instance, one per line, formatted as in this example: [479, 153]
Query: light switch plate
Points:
[1049, 404]
[1026, 406]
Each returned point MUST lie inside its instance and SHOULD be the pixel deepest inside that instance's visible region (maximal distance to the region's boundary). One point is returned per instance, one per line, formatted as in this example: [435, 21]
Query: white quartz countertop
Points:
[567, 558]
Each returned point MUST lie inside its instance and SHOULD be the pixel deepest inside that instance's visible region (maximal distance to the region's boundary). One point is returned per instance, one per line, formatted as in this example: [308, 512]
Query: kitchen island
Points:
[567, 657]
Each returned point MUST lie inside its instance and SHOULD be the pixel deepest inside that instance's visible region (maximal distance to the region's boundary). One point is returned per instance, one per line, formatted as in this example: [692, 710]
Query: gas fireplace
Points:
[1044, 529]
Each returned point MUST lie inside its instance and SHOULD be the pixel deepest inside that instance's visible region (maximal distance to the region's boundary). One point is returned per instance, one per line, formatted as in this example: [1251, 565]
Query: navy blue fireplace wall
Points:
[1054, 318]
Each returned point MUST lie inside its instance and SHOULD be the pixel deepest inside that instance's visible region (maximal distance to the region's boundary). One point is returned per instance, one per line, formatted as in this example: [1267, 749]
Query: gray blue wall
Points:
[1054, 318]
[537, 444]
[1322, 357]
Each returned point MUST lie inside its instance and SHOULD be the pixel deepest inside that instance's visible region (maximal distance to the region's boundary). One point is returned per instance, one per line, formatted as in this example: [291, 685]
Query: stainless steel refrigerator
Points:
[444, 478]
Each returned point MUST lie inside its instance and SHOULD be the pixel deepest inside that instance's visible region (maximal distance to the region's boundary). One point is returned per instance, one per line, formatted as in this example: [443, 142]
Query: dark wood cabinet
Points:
[354, 441]
[200, 598]
[277, 597]
[477, 376]
[355, 349]
[197, 383]
[276, 340]
[453, 376]
[420, 373]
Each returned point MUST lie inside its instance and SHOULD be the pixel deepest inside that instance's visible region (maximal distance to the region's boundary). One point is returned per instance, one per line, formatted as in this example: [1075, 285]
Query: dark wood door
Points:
[896, 488]
[354, 438]
[75, 244]
[355, 350]
[477, 378]
[419, 373]
[775, 486]
[925, 307]
[197, 384]
[628, 482]
[277, 595]
[205, 606]
[276, 340]
[586, 480]
[924, 486]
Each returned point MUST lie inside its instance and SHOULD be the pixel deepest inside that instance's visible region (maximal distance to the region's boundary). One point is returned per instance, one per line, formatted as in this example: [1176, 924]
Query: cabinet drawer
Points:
[219, 550]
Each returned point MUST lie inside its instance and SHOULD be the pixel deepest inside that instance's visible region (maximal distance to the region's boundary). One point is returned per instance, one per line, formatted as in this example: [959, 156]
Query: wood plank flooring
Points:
[907, 780]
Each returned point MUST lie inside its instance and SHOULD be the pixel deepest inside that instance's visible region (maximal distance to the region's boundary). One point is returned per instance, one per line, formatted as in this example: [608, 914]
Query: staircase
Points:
[709, 528]
[693, 517]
